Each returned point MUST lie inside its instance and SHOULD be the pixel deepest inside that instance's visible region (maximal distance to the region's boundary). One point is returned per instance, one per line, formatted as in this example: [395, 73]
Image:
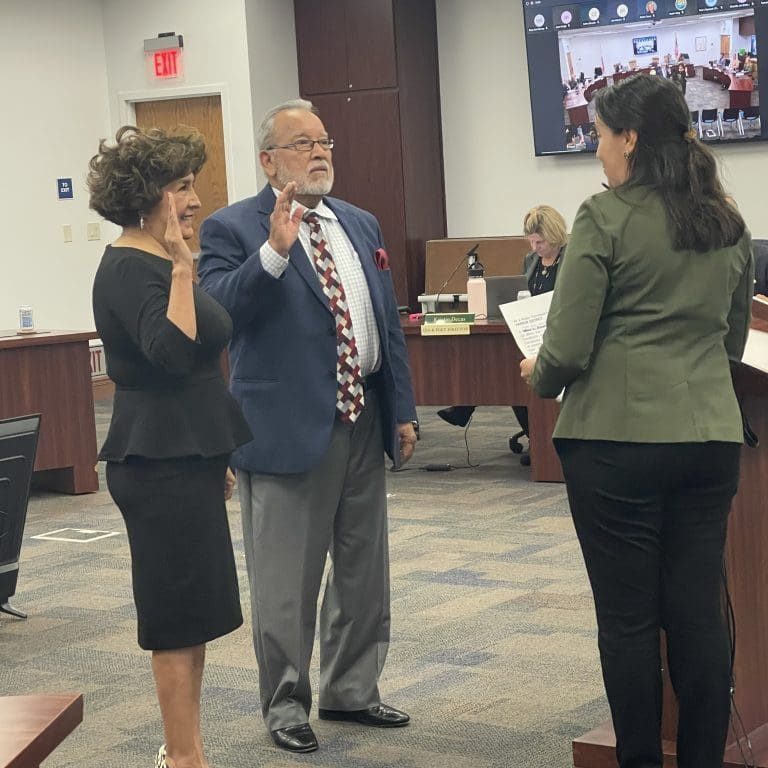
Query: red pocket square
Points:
[381, 259]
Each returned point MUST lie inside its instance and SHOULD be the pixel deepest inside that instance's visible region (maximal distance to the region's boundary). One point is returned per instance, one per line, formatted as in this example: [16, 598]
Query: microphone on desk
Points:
[471, 257]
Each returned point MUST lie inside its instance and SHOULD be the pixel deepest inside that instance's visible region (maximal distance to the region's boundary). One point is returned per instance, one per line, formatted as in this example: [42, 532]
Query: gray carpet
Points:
[493, 650]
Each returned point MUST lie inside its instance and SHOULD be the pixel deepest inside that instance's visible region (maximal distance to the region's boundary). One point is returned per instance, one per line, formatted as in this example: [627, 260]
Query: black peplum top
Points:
[171, 400]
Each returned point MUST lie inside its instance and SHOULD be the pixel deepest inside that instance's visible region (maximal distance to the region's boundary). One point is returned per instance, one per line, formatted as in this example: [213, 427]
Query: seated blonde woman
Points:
[546, 232]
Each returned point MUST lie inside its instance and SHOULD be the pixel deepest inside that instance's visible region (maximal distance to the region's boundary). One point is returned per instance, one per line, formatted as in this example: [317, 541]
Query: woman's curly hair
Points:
[126, 179]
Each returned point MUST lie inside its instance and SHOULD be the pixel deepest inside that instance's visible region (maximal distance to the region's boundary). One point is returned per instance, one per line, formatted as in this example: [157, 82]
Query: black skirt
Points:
[184, 575]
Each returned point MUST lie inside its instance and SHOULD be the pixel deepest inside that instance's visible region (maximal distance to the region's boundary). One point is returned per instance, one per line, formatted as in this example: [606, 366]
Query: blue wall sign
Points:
[65, 189]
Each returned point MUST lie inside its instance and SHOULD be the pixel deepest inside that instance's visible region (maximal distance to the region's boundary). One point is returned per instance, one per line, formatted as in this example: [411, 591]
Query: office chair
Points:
[521, 414]
[750, 117]
[731, 117]
[710, 117]
[695, 125]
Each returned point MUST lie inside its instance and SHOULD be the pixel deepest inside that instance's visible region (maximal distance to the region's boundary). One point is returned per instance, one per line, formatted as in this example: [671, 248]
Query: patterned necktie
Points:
[350, 396]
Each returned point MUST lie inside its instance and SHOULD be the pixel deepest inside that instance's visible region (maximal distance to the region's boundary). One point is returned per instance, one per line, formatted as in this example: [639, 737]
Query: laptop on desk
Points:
[502, 289]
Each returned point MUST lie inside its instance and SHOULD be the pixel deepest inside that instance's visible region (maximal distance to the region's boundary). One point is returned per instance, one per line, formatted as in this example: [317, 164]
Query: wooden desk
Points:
[50, 373]
[593, 87]
[716, 76]
[576, 106]
[482, 369]
[740, 91]
[31, 727]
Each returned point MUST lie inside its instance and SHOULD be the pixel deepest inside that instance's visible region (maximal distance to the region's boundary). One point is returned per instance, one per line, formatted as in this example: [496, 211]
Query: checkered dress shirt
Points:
[352, 277]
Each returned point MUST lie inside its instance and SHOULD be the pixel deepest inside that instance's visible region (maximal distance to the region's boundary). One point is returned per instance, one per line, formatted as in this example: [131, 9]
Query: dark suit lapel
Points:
[298, 256]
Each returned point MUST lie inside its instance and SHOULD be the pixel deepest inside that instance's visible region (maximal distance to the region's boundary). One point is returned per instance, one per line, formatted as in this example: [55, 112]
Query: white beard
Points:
[305, 186]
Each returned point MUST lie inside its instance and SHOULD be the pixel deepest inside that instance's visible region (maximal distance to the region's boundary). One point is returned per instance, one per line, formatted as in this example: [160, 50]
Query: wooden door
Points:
[203, 113]
[368, 166]
[725, 45]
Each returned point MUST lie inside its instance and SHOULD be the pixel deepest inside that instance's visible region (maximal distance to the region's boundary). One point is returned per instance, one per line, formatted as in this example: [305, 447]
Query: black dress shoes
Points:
[379, 716]
[295, 738]
[458, 415]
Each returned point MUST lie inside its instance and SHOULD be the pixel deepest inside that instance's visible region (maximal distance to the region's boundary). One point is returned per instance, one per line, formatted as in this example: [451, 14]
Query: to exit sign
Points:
[167, 64]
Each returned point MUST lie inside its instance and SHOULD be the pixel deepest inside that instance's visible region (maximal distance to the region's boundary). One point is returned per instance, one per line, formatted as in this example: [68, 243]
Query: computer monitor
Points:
[502, 289]
[18, 446]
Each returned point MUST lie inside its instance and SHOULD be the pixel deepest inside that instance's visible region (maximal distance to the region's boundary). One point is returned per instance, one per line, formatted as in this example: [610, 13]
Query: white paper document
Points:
[527, 319]
[756, 350]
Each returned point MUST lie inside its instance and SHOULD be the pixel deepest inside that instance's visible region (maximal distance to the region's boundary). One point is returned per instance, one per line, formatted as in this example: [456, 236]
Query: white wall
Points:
[215, 54]
[492, 177]
[70, 65]
[273, 65]
[588, 50]
[55, 92]
[66, 96]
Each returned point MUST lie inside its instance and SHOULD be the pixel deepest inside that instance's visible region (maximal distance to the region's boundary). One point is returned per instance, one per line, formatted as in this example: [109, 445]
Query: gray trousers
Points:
[290, 524]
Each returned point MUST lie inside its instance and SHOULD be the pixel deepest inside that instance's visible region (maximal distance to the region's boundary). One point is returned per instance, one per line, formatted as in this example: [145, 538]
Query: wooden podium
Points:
[49, 373]
[747, 568]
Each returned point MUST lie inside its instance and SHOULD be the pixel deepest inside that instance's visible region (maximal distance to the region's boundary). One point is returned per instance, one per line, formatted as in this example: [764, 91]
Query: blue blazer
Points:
[283, 350]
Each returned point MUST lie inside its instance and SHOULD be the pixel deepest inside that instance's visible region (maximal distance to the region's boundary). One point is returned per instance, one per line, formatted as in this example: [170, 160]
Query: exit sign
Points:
[167, 64]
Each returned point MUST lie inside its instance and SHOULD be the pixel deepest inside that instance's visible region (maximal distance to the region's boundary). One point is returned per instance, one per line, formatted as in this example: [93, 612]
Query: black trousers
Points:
[651, 521]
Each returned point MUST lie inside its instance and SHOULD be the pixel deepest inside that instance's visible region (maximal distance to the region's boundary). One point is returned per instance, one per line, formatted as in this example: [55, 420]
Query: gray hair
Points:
[264, 137]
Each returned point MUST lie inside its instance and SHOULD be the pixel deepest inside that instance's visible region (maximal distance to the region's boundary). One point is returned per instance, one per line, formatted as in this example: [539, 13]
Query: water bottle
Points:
[477, 301]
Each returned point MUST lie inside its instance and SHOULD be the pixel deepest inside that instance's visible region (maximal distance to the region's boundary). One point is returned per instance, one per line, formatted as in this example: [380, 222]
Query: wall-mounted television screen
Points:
[710, 49]
[644, 45]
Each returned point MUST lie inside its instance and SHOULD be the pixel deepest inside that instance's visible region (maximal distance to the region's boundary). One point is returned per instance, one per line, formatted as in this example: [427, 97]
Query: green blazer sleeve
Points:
[740, 314]
[577, 304]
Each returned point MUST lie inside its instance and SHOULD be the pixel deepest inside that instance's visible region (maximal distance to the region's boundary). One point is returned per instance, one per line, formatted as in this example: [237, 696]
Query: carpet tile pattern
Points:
[493, 648]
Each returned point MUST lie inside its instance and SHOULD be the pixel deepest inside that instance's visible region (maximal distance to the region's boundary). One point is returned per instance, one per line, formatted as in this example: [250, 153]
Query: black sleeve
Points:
[139, 304]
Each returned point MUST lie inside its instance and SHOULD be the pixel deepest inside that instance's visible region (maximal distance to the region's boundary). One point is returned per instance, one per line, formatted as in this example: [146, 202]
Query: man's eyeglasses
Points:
[305, 145]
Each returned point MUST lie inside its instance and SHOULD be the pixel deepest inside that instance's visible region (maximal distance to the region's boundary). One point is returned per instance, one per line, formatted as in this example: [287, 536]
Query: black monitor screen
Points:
[710, 49]
[644, 45]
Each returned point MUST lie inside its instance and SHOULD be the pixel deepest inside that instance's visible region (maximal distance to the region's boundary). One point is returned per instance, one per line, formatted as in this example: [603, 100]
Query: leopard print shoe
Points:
[160, 759]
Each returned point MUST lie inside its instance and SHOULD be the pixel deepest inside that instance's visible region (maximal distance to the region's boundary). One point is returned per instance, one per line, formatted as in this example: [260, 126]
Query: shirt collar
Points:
[321, 209]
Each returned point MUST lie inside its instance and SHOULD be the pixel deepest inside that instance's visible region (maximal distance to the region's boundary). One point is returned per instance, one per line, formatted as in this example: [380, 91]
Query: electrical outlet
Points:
[93, 230]
[66, 230]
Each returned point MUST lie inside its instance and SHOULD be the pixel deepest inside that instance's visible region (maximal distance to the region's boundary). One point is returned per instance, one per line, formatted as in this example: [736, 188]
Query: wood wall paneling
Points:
[370, 35]
[422, 143]
[383, 67]
[322, 56]
[368, 165]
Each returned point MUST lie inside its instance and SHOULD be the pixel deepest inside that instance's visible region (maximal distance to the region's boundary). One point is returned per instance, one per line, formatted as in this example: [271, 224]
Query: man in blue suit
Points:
[320, 368]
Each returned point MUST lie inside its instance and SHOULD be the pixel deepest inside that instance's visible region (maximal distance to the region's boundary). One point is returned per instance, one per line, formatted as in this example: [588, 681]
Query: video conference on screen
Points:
[708, 48]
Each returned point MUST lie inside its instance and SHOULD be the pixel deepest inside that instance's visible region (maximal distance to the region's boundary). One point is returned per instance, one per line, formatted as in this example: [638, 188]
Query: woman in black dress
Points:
[174, 423]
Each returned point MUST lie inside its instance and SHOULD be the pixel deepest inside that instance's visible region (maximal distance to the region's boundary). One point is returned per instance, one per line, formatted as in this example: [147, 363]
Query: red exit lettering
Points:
[166, 63]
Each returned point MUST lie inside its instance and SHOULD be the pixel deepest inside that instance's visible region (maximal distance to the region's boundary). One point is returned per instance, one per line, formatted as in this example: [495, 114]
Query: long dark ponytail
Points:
[669, 157]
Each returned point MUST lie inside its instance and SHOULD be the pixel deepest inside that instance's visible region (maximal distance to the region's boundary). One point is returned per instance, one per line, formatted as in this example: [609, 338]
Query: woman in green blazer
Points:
[652, 303]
